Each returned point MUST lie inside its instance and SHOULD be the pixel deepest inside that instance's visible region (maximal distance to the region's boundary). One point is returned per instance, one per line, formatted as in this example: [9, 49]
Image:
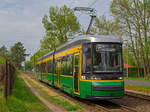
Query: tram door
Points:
[58, 72]
[76, 73]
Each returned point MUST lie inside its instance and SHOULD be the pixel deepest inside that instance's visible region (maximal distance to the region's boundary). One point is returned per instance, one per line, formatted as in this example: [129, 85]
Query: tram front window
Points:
[107, 58]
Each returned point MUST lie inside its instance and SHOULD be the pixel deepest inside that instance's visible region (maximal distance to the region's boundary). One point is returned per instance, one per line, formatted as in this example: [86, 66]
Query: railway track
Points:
[136, 94]
[94, 106]
[108, 106]
[115, 108]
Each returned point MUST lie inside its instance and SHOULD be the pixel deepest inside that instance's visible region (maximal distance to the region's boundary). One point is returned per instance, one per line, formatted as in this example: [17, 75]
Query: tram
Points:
[88, 66]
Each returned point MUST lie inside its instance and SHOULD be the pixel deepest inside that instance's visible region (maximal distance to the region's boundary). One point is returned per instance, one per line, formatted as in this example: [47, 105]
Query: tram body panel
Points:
[108, 89]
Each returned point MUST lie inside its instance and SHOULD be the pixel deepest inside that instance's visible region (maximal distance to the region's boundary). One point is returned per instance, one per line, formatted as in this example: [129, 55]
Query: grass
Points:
[1, 60]
[137, 78]
[55, 99]
[139, 88]
[21, 100]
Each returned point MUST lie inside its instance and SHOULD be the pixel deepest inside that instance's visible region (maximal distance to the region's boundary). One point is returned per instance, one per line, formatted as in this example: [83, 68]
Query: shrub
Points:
[133, 72]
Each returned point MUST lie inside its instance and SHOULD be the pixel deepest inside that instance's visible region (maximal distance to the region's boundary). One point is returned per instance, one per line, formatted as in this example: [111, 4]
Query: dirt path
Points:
[51, 107]
[49, 91]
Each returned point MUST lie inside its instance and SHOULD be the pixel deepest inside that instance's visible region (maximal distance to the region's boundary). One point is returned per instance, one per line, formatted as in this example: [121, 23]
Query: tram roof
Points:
[96, 38]
[80, 39]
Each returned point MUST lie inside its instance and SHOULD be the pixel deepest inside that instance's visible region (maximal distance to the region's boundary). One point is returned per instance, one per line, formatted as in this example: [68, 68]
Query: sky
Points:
[21, 20]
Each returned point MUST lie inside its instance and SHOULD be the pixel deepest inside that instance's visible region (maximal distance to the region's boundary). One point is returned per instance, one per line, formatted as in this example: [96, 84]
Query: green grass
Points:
[55, 99]
[21, 100]
[136, 78]
[139, 88]
[2, 60]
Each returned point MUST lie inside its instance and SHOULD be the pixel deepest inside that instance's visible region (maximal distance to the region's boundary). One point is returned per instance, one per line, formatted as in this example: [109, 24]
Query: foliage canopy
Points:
[60, 25]
[18, 55]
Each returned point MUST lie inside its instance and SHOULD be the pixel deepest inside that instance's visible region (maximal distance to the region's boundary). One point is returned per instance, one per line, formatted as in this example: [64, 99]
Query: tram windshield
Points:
[107, 58]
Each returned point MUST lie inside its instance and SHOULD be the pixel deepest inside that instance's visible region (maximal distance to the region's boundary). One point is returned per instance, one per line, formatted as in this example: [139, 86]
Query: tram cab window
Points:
[107, 58]
[87, 60]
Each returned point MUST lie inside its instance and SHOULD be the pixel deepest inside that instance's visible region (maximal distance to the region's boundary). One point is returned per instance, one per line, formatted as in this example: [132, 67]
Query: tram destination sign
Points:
[102, 48]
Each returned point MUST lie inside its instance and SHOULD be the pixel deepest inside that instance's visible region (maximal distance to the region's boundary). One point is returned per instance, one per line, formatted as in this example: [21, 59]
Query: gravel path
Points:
[51, 92]
[51, 107]
[135, 82]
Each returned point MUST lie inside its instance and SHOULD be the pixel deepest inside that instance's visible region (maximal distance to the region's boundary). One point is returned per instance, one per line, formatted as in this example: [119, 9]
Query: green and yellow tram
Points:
[89, 66]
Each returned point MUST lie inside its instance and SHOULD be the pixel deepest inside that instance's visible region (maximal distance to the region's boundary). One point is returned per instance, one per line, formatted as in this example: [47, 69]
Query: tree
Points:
[2, 61]
[17, 54]
[3, 51]
[60, 25]
[37, 55]
[134, 16]
[28, 66]
[102, 26]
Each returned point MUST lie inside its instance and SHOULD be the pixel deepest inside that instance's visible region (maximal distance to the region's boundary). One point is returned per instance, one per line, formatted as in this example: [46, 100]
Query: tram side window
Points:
[50, 66]
[40, 70]
[43, 67]
[70, 64]
[63, 65]
[66, 64]
[51, 63]
[56, 66]
[87, 60]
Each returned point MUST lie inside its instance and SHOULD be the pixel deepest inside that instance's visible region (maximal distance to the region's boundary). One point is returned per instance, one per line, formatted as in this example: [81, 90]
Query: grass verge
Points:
[139, 88]
[137, 78]
[21, 100]
[55, 99]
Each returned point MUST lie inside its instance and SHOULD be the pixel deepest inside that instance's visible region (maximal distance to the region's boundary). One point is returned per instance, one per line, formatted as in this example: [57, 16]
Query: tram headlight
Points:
[83, 77]
[120, 78]
[95, 78]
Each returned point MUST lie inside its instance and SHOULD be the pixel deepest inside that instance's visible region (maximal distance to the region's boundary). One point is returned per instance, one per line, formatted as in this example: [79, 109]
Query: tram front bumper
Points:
[103, 97]
[107, 90]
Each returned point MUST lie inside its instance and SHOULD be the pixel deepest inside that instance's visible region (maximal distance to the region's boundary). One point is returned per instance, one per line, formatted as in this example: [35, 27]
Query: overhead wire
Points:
[93, 3]
[72, 2]
[88, 6]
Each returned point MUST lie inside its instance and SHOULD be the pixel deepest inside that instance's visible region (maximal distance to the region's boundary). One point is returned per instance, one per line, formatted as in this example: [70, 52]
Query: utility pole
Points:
[91, 12]
[34, 66]
[127, 60]
[127, 70]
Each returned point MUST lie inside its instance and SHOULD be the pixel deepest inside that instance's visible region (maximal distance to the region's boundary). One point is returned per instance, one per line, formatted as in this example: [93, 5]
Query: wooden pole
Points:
[6, 80]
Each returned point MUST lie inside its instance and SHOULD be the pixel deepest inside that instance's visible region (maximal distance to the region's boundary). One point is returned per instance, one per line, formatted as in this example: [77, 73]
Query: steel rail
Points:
[139, 95]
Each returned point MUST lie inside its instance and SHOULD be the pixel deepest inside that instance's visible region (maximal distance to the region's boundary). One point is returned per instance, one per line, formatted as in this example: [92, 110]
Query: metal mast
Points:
[91, 12]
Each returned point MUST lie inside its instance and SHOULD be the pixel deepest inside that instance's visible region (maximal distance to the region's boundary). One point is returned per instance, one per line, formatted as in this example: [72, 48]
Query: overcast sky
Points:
[20, 20]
